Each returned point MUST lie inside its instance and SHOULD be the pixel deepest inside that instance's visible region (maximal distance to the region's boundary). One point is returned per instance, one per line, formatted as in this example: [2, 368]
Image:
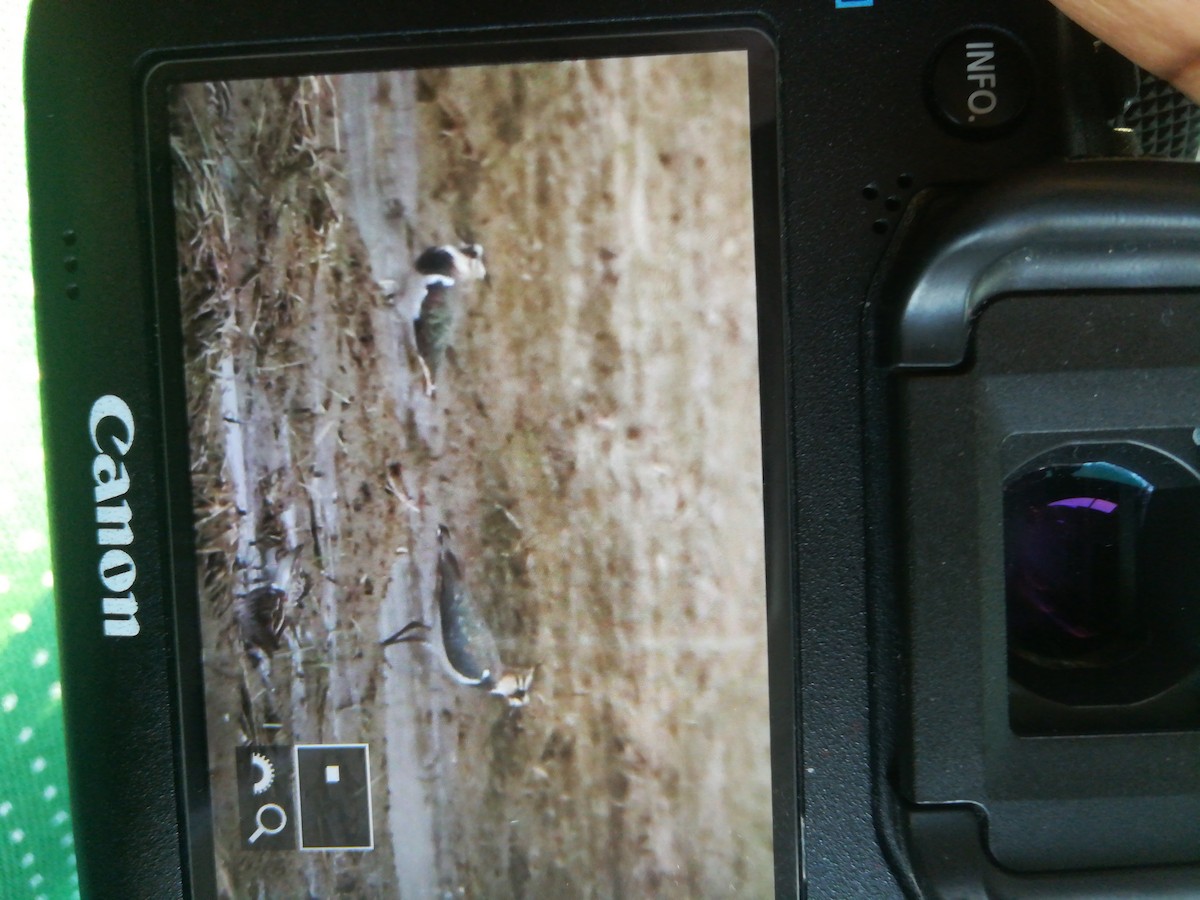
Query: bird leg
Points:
[430, 387]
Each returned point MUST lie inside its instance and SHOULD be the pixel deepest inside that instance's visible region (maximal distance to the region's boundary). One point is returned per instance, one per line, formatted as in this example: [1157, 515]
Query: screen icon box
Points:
[333, 787]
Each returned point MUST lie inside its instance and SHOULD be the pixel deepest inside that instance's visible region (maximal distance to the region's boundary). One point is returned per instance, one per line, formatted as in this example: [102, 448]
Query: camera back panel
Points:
[902, 736]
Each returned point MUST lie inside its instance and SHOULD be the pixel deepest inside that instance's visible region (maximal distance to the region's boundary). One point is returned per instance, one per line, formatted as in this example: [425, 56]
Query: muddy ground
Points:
[592, 444]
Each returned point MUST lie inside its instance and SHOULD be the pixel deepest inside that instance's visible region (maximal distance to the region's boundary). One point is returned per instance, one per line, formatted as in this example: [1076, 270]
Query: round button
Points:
[981, 81]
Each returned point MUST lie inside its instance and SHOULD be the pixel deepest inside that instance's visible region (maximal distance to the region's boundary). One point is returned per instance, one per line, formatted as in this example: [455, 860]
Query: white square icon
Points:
[333, 774]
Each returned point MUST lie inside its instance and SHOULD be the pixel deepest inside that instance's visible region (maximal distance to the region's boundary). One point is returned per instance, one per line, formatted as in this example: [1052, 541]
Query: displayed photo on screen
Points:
[472, 375]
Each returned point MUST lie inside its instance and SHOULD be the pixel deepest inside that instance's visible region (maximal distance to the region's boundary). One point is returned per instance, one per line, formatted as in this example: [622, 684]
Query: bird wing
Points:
[434, 320]
[469, 643]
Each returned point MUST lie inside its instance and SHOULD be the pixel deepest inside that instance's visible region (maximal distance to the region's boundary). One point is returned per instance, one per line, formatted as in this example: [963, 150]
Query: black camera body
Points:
[719, 447]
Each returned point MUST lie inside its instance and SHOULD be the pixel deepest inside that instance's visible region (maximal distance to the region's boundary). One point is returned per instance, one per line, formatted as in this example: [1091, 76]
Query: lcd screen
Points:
[472, 379]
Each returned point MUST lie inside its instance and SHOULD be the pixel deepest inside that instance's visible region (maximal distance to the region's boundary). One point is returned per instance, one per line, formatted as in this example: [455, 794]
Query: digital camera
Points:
[685, 449]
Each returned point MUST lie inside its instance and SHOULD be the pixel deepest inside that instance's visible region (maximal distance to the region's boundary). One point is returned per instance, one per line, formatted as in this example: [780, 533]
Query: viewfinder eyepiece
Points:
[1102, 599]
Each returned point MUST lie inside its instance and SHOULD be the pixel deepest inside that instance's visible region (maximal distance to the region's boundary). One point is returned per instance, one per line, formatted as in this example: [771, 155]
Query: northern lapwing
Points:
[261, 612]
[444, 270]
[260, 616]
[467, 648]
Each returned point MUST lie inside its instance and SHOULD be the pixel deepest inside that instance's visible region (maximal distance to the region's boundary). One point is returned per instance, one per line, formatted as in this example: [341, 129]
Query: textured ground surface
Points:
[592, 445]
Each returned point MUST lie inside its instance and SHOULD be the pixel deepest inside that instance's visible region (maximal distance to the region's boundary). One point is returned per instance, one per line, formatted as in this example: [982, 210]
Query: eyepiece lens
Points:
[1070, 548]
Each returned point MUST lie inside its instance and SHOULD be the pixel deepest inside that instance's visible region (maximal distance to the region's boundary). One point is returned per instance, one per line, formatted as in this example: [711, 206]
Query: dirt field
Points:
[592, 445]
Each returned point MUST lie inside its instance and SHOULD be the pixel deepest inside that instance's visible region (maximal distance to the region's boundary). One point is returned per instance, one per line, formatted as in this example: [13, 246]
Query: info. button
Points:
[981, 81]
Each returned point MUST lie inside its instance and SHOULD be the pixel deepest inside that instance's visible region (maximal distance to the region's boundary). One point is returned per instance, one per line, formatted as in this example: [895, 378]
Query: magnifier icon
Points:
[262, 828]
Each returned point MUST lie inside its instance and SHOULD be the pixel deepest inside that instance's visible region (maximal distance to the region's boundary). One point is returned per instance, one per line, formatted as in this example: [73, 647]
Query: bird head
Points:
[470, 264]
[514, 687]
[461, 263]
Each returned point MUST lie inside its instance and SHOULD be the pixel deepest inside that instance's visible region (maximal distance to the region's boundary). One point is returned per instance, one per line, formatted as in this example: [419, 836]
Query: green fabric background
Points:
[37, 856]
